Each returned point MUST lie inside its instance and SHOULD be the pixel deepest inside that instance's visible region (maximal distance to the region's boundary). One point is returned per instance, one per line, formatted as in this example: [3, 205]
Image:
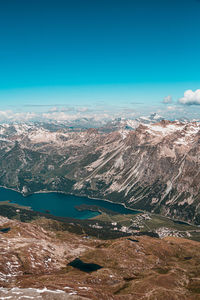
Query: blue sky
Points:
[113, 54]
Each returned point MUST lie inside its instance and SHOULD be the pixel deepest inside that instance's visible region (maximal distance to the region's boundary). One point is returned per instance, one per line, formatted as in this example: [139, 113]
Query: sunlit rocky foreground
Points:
[35, 264]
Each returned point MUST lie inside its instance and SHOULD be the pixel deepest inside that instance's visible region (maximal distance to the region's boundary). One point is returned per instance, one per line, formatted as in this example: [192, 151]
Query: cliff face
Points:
[154, 167]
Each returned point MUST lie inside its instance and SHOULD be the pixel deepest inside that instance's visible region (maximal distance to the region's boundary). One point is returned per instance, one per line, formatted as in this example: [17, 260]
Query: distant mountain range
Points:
[148, 163]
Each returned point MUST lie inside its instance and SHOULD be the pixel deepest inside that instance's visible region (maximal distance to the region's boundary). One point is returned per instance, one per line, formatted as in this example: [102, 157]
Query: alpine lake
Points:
[62, 205]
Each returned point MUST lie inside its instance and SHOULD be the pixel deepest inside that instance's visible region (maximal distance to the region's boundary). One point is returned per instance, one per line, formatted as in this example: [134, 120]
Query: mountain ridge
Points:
[152, 167]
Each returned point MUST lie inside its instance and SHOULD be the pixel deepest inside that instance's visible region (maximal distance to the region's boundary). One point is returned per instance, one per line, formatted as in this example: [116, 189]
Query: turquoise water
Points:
[59, 204]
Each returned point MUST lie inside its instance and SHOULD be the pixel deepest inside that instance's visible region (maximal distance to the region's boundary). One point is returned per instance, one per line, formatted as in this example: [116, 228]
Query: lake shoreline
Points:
[71, 194]
[62, 204]
[88, 197]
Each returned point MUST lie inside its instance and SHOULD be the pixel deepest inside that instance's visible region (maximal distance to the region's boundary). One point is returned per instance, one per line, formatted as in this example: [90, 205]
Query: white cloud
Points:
[64, 116]
[82, 109]
[57, 116]
[9, 115]
[68, 109]
[191, 98]
[167, 99]
[171, 108]
[53, 109]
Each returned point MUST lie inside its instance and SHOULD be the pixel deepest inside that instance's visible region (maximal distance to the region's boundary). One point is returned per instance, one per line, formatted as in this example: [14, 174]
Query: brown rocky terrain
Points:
[35, 257]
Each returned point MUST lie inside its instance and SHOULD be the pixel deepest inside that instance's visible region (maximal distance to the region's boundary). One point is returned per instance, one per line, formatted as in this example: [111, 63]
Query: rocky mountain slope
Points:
[146, 165]
[36, 263]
